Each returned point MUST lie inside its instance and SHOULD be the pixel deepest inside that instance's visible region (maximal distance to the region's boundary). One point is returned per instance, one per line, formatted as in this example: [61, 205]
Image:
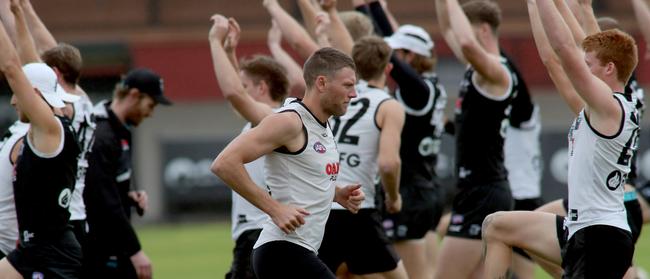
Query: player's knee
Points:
[491, 225]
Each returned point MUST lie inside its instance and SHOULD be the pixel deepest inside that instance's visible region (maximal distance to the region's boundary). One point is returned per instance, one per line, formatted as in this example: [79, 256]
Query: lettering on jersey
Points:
[459, 105]
[429, 146]
[332, 169]
[463, 172]
[319, 147]
[27, 236]
[64, 198]
[241, 218]
[614, 180]
[352, 159]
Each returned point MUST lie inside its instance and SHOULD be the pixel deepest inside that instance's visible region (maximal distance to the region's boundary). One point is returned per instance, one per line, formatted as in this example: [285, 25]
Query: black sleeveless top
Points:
[43, 188]
[479, 132]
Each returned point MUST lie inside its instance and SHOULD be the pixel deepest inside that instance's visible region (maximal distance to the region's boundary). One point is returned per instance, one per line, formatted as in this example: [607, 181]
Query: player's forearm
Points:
[42, 36]
[338, 33]
[294, 71]
[462, 31]
[642, 13]
[308, 12]
[225, 72]
[590, 23]
[292, 31]
[557, 32]
[571, 20]
[389, 171]
[24, 41]
[232, 172]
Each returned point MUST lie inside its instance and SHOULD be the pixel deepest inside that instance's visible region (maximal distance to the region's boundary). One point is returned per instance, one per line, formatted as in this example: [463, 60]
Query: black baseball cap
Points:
[148, 82]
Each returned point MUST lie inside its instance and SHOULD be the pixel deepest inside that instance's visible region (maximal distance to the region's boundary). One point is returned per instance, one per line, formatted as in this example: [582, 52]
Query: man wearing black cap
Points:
[113, 249]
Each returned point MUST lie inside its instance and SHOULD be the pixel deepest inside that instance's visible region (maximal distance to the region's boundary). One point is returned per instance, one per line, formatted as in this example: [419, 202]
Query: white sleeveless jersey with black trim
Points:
[421, 134]
[52, 177]
[8, 222]
[84, 127]
[598, 167]
[357, 135]
[523, 158]
[481, 120]
[245, 216]
[305, 179]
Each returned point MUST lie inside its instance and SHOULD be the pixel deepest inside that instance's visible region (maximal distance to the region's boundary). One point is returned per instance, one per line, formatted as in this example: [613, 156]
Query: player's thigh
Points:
[7, 271]
[555, 207]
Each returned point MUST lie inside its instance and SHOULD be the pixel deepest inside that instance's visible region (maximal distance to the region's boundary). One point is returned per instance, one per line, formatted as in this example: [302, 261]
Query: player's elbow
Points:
[11, 66]
[219, 166]
[389, 165]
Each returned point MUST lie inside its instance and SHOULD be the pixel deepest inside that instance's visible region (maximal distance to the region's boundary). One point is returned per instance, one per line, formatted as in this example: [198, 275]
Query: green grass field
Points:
[204, 250]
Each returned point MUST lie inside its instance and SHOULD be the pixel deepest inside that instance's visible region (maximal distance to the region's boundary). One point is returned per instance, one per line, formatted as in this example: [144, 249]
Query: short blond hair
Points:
[358, 24]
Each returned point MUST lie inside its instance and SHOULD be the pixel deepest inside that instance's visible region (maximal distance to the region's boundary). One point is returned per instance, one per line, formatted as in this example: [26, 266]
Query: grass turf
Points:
[204, 250]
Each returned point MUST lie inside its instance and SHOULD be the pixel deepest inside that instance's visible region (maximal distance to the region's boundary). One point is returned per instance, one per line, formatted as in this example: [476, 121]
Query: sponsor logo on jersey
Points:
[319, 147]
[614, 180]
[65, 197]
[573, 215]
[37, 275]
[125, 144]
[332, 168]
[27, 236]
[474, 229]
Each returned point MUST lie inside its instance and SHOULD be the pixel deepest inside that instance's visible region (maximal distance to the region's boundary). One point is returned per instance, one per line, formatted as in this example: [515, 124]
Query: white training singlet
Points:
[523, 158]
[304, 179]
[245, 216]
[8, 222]
[84, 127]
[598, 167]
[357, 136]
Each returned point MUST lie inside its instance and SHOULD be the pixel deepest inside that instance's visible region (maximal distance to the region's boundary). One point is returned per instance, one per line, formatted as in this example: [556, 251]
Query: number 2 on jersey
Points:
[344, 137]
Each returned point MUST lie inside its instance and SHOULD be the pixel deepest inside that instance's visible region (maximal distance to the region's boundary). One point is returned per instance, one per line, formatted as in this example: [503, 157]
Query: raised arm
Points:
[444, 25]
[321, 31]
[390, 117]
[294, 71]
[292, 31]
[572, 19]
[590, 23]
[552, 63]
[42, 36]
[45, 130]
[8, 20]
[603, 109]
[308, 10]
[642, 13]
[486, 65]
[338, 34]
[391, 18]
[282, 129]
[24, 41]
[232, 41]
[229, 81]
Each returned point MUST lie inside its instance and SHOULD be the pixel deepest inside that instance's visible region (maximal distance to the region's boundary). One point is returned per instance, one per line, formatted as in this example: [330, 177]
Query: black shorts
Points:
[597, 251]
[59, 257]
[634, 215]
[358, 240]
[80, 230]
[528, 204]
[283, 259]
[421, 211]
[241, 267]
[561, 231]
[472, 204]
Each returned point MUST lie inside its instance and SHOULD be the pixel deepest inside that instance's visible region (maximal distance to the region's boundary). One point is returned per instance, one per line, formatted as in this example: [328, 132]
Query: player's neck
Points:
[378, 83]
[312, 102]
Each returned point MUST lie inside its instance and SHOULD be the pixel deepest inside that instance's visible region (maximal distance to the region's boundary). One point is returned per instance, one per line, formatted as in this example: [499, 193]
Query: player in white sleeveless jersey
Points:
[262, 86]
[368, 139]
[11, 142]
[302, 164]
[601, 142]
